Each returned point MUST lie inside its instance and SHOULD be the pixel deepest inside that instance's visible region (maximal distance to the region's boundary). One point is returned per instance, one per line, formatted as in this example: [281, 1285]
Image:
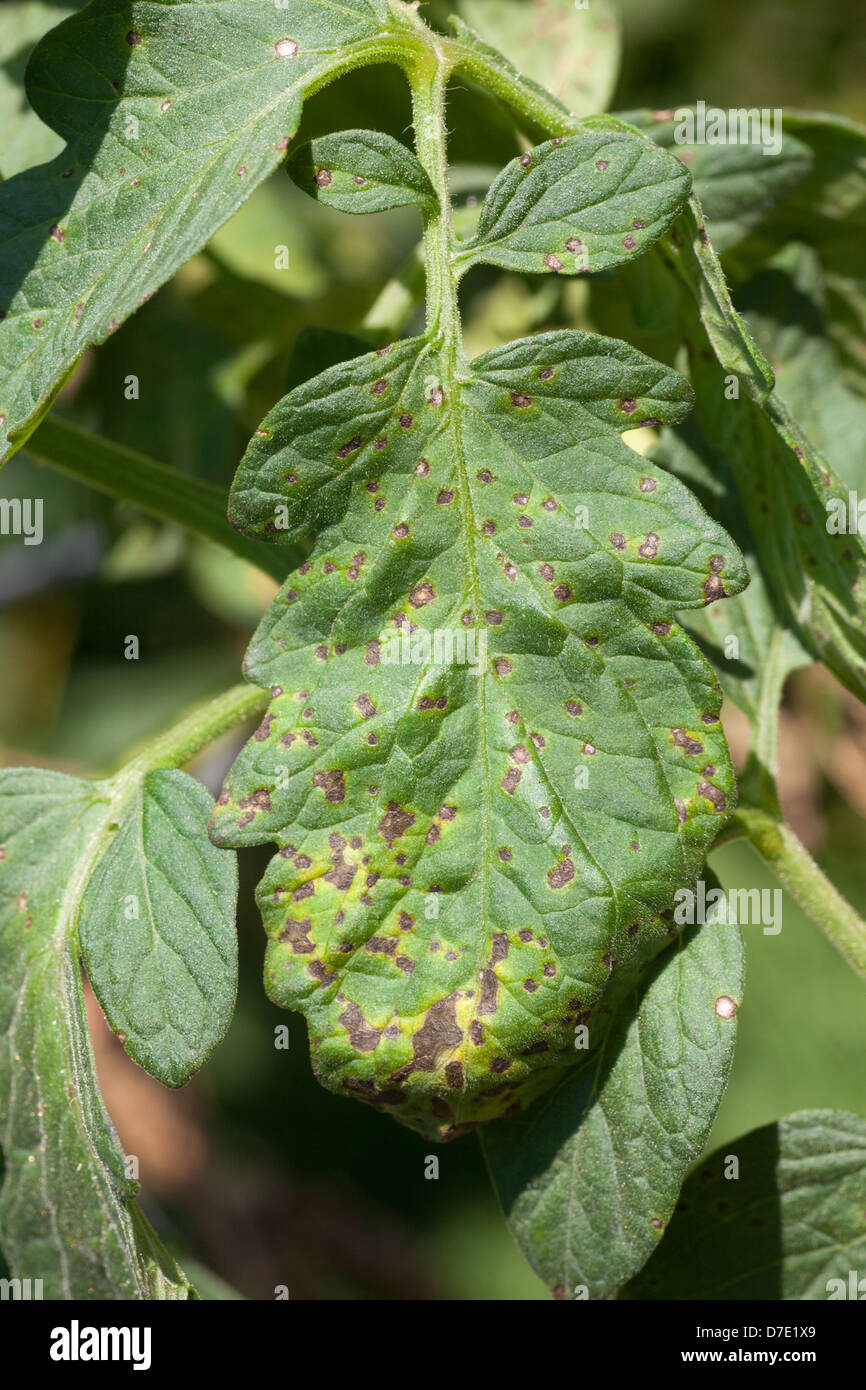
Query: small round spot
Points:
[285, 48]
[525, 161]
[726, 1007]
[133, 39]
[601, 164]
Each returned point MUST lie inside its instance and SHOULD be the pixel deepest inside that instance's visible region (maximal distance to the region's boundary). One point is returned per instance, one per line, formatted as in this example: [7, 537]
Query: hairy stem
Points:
[201, 727]
[796, 869]
[155, 488]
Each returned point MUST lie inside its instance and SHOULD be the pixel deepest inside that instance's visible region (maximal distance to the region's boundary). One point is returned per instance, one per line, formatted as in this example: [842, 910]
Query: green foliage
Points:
[66, 1204]
[360, 171]
[790, 1226]
[490, 752]
[590, 1177]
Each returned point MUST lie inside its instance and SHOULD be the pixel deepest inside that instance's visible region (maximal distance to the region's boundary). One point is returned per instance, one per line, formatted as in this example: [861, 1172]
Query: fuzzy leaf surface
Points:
[583, 203]
[790, 1224]
[173, 114]
[737, 183]
[360, 171]
[491, 756]
[67, 1210]
[158, 932]
[589, 1177]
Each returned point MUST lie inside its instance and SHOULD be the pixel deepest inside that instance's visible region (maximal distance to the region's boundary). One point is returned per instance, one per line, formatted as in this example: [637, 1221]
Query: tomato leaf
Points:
[172, 118]
[67, 1209]
[157, 929]
[589, 1176]
[582, 203]
[360, 171]
[572, 50]
[786, 1223]
[491, 755]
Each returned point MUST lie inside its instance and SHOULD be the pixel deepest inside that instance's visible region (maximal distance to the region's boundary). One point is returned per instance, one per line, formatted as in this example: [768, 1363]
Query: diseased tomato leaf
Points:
[491, 755]
[583, 203]
[360, 171]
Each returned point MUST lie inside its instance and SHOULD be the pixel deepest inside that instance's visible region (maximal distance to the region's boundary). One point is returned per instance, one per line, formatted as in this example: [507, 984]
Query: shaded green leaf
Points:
[66, 1205]
[24, 139]
[572, 50]
[360, 171]
[789, 1225]
[737, 183]
[518, 797]
[582, 203]
[750, 619]
[787, 308]
[172, 117]
[157, 929]
[589, 1176]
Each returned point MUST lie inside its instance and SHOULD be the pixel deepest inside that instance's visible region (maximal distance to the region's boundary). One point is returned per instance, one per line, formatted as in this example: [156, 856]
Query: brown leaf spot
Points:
[511, 780]
[690, 746]
[562, 874]
[438, 1033]
[726, 1007]
[422, 594]
[331, 784]
[320, 972]
[714, 795]
[394, 824]
[365, 707]
[362, 1035]
[650, 547]
[295, 934]
[381, 945]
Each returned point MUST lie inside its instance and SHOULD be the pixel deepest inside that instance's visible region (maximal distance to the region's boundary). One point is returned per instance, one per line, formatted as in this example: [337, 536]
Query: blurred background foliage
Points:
[256, 1175]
